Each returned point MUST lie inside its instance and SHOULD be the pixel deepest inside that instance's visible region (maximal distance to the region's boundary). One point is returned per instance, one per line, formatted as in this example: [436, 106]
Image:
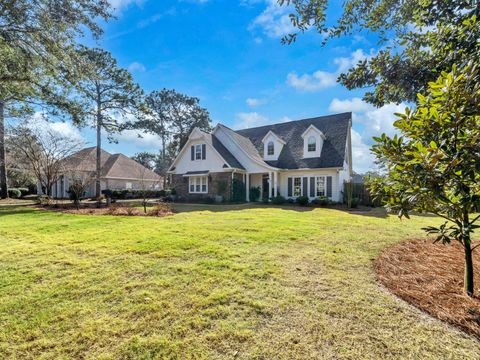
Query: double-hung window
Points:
[297, 186]
[198, 152]
[320, 186]
[198, 184]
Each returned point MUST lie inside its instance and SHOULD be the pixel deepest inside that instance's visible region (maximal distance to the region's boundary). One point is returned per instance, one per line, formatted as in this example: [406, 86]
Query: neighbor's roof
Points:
[334, 127]
[113, 166]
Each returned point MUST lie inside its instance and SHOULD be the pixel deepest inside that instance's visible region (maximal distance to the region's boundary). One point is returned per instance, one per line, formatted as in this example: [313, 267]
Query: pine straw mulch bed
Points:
[430, 277]
[159, 210]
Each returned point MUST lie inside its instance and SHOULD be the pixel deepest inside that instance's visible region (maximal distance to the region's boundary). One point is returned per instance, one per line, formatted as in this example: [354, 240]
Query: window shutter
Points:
[305, 187]
[312, 187]
[204, 151]
[329, 186]
[192, 152]
[290, 183]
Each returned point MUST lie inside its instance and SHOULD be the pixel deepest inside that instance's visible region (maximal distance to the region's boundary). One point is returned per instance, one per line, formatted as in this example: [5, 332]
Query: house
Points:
[119, 172]
[310, 157]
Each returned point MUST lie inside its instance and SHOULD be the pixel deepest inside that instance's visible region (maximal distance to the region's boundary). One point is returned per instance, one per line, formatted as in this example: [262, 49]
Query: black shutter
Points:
[204, 151]
[305, 187]
[289, 187]
[192, 152]
[312, 187]
[329, 186]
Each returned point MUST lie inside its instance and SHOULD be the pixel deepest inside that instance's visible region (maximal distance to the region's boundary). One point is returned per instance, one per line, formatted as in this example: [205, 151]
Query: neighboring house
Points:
[119, 172]
[310, 157]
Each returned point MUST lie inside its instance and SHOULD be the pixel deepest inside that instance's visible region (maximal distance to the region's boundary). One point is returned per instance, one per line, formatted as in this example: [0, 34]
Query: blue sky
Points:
[228, 53]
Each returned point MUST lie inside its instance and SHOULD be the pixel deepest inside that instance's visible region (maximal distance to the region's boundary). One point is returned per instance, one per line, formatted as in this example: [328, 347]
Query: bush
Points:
[14, 193]
[161, 209]
[238, 190]
[24, 191]
[254, 193]
[279, 200]
[321, 201]
[133, 194]
[291, 201]
[355, 202]
[173, 192]
[43, 200]
[209, 200]
[302, 200]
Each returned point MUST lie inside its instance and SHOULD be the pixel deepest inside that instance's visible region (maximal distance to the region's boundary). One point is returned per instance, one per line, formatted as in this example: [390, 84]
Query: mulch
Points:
[430, 277]
[159, 210]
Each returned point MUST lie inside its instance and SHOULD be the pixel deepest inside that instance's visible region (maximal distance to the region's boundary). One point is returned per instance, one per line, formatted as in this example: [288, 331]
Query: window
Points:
[270, 148]
[198, 152]
[128, 185]
[198, 184]
[312, 143]
[297, 186]
[320, 186]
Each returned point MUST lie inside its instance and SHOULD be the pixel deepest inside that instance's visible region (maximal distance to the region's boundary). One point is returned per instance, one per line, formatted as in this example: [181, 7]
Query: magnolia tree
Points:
[434, 165]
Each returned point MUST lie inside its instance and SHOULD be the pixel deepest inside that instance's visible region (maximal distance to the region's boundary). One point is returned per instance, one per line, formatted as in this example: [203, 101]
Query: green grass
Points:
[261, 283]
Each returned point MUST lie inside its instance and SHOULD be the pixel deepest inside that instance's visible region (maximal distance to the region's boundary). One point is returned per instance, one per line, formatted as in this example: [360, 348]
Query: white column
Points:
[247, 185]
[270, 183]
[275, 183]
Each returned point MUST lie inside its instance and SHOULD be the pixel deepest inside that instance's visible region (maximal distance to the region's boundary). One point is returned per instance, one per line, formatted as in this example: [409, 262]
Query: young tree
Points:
[80, 181]
[42, 150]
[36, 57]
[420, 39]
[434, 166]
[172, 116]
[107, 96]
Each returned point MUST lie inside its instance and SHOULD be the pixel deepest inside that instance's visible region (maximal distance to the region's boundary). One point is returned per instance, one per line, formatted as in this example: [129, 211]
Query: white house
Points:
[310, 157]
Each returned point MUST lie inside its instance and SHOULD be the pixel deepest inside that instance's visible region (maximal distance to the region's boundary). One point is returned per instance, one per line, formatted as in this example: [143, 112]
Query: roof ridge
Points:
[292, 121]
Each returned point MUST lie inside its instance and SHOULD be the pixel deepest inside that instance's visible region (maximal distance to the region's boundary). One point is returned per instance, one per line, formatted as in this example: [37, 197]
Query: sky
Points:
[229, 54]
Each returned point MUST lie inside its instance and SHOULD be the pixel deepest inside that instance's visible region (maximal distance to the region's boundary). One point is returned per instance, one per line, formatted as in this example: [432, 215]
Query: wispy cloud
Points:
[274, 21]
[254, 102]
[245, 120]
[136, 67]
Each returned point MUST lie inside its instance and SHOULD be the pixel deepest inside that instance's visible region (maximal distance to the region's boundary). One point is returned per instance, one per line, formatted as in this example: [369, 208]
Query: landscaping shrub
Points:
[279, 200]
[24, 191]
[209, 200]
[133, 194]
[291, 201]
[238, 190]
[321, 201]
[355, 202]
[302, 200]
[161, 209]
[254, 193]
[43, 200]
[14, 193]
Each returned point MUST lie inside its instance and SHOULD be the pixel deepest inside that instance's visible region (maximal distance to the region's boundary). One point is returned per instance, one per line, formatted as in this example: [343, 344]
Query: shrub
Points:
[322, 201]
[43, 200]
[279, 200]
[254, 193]
[173, 192]
[355, 202]
[209, 200]
[161, 209]
[14, 193]
[302, 200]
[24, 191]
[291, 201]
[238, 190]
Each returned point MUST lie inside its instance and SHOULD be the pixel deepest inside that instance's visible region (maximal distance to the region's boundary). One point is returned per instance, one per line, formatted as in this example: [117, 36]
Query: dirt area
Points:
[430, 277]
[161, 209]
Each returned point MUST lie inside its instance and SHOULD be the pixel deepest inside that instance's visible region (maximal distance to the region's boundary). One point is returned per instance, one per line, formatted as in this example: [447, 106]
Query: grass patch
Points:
[244, 282]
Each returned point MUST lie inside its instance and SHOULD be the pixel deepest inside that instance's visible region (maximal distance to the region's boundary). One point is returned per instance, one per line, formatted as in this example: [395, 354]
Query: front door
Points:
[265, 187]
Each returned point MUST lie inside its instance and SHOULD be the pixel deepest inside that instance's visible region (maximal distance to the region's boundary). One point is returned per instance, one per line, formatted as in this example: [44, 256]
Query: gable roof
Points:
[335, 128]
[113, 166]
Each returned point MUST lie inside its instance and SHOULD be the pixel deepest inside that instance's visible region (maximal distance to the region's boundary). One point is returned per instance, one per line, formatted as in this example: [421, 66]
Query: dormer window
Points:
[270, 148]
[198, 152]
[312, 144]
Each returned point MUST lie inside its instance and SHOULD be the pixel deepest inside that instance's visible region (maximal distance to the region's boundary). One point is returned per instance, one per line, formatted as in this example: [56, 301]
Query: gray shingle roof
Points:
[227, 155]
[335, 127]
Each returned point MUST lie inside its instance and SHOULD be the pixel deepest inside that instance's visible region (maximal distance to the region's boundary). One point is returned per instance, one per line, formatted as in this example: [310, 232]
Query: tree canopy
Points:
[418, 40]
[434, 165]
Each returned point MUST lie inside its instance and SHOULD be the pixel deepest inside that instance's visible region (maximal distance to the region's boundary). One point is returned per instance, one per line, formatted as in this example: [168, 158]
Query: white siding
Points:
[336, 188]
[212, 163]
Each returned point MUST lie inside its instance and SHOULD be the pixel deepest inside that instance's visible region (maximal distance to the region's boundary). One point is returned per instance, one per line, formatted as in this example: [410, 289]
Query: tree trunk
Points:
[468, 281]
[163, 161]
[3, 162]
[98, 190]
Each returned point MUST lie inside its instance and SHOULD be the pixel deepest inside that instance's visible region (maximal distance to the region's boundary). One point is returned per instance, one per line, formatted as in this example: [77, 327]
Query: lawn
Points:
[241, 282]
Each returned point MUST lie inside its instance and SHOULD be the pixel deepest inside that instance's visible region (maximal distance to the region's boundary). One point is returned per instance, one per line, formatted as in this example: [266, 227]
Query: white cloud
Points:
[253, 102]
[320, 80]
[140, 140]
[317, 81]
[274, 20]
[136, 66]
[118, 5]
[345, 63]
[373, 122]
[39, 124]
[246, 120]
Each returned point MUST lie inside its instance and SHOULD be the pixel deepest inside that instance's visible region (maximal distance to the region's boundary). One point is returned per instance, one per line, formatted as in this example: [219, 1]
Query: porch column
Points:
[247, 185]
[275, 183]
[270, 183]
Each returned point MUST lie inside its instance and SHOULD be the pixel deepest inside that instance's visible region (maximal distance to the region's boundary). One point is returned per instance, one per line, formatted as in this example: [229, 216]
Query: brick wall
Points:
[180, 184]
